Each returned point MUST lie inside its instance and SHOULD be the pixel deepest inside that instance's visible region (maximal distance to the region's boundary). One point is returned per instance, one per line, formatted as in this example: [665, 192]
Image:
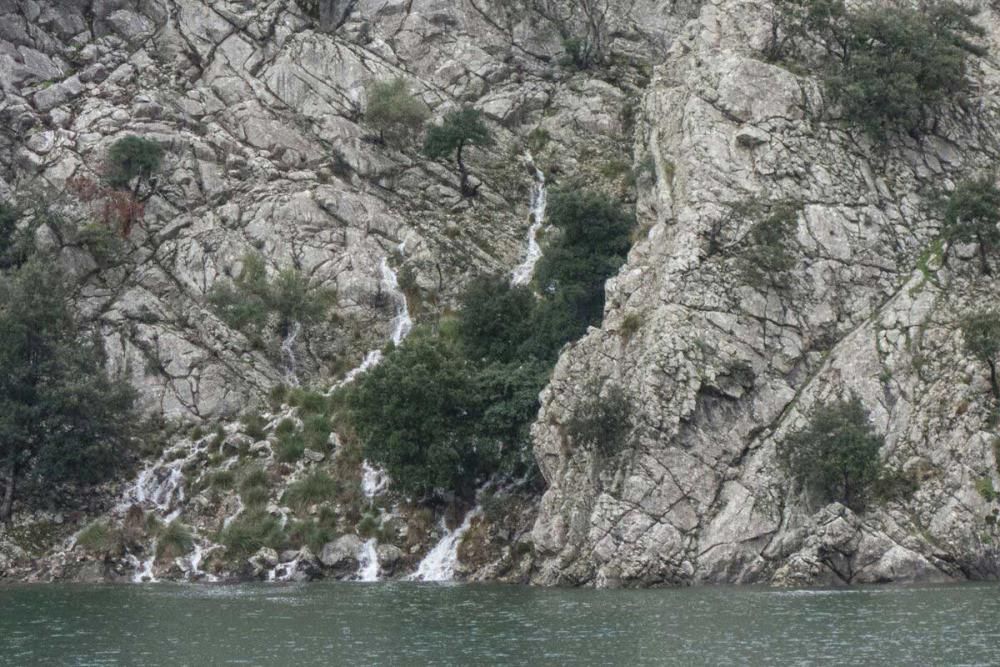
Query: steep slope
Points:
[719, 371]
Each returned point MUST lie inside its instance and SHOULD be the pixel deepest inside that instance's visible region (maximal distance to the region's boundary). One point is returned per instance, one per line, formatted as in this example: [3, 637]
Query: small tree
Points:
[459, 129]
[981, 332]
[61, 417]
[836, 454]
[767, 256]
[132, 161]
[972, 214]
[394, 112]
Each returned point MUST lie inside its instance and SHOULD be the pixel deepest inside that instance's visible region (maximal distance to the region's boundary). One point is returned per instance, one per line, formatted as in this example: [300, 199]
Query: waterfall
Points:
[439, 563]
[373, 480]
[368, 568]
[288, 354]
[402, 323]
[525, 270]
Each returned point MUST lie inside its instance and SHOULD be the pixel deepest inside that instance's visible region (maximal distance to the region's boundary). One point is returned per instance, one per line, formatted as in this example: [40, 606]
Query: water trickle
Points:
[288, 355]
[368, 568]
[373, 480]
[526, 270]
[439, 563]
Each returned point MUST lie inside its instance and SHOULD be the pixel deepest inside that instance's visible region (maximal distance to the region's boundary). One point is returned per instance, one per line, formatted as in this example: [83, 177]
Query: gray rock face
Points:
[719, 371]
[342, 554]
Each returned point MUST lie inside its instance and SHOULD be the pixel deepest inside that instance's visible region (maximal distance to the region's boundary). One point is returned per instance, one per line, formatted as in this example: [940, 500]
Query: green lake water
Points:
[417, 624]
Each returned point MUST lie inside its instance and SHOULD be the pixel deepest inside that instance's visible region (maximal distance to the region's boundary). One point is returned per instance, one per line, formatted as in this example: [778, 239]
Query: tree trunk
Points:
[463, 174]
[7, 507]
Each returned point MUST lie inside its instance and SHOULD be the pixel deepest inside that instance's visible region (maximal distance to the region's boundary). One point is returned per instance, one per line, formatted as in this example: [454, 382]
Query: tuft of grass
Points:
[984, 485]
[175, 541]
[254, 426]
[250, 532]
[316, 488]
[276, 397]
[285, 427]
[223, 479]
[290, 447]
[100, 537]
[316, 431]
[254, 478]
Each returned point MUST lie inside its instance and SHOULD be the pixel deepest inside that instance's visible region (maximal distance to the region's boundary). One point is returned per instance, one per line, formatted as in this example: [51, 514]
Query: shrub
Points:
[312, 490]
[316, 431]
[602, 420]
[248, 301]
[9, 216]
[254, 425]
[578, 53]
[254, 478]
[495, 319]
[887, 67]
[62, 418]
[223, 479]
[104, 245]
[394, 112]
[175, 540]
[250, 532]
[291, 447]
[311, 533]
[591, 245]
[972, 214]
[630, 326]
[765, 257]
[981, 332]
[836, 455]
[458, 130]
[100, 537]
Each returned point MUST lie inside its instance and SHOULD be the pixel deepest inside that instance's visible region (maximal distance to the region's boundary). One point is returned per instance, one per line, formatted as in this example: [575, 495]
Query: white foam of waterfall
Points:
[368, 569]
[288, 354]
[526, 270]
[439, 563]
[373, 480]
[402, 323]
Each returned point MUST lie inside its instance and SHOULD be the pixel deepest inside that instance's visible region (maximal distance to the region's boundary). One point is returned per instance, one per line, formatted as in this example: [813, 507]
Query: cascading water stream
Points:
[439, 563]
[524, 272]
[288, 355]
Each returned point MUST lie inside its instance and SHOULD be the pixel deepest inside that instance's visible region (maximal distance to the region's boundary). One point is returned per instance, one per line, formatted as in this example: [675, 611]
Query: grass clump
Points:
[318, 487]
[100, 537]
[250, 532]
[175, 540]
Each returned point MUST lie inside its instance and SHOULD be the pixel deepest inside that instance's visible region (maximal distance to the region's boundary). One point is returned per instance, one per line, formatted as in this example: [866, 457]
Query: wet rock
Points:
[341, 555]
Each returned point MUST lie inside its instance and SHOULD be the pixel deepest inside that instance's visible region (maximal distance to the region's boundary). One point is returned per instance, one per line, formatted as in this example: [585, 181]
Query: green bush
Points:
[316, 430]
[131, 163]
[100, 537]
[836, 455]
[250, 300]
[254, 478]
[394, 112]
[175, 540]
[62, 418]
[765, 256]
[104, 245]
[312, 490]
[250, 532]
[590, 246]
[601, 421]
[972, 214]
[889, 67]
[981, 332]
[578, 53]
[291, 447]
[223, 479]
[254, 425]
[9, 216]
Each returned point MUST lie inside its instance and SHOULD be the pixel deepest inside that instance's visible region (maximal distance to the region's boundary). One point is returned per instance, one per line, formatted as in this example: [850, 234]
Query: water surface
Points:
[407, 624]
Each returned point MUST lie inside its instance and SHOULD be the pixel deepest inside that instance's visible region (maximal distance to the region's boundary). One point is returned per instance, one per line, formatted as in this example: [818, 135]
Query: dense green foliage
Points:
[9, 216]
[62, 419]
[459, 129]
[981, 332]
[252, 301]
[972, 214]
[131, 163]
[452, 406]
[836, 455]
[591, 243]
[889, 67]
[394, 112]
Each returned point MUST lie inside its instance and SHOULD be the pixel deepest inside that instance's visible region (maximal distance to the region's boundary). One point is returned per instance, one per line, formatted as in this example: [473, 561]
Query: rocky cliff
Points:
[720, 371]
[260, 107]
